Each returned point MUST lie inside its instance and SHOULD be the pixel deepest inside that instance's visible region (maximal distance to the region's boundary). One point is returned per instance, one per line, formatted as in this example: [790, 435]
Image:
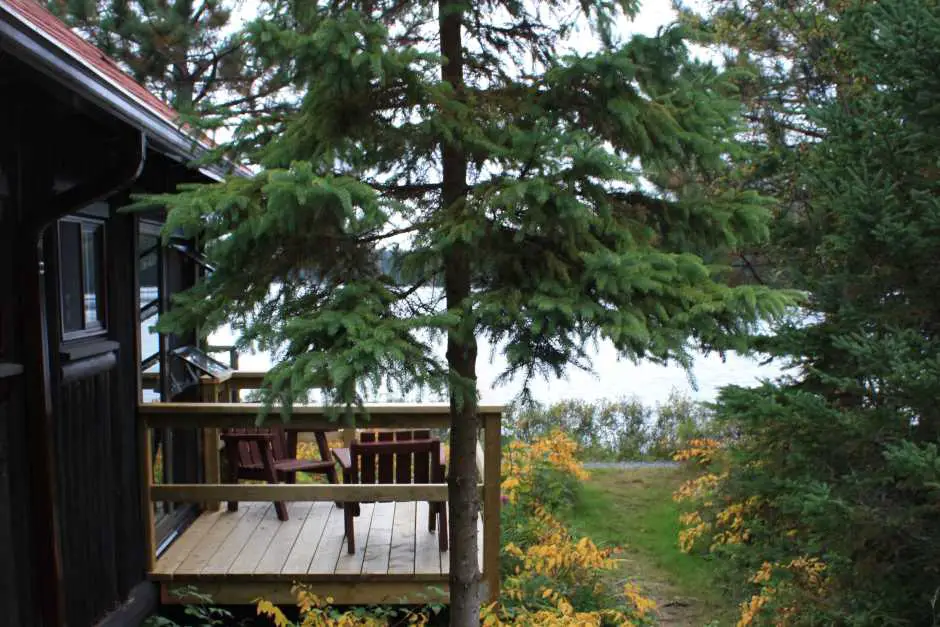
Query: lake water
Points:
[611, 377]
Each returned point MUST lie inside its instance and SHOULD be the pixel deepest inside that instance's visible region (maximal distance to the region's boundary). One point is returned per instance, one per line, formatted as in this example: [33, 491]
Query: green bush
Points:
[624, 429]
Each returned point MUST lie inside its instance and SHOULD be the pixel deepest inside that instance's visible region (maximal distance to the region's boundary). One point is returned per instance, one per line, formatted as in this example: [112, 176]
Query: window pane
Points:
[70, 274]
[92, 265]
[149, 341]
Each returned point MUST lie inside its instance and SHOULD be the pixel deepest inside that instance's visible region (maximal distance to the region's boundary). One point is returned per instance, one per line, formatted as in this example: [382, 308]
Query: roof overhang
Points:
[22, 38]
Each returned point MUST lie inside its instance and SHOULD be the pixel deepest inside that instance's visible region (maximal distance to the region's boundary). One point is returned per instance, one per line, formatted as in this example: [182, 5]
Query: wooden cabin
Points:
[109, 488]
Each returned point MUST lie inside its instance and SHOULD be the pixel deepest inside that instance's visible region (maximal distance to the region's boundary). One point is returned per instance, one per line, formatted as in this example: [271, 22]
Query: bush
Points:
[615, 430]
[821, 514]
[550, 577]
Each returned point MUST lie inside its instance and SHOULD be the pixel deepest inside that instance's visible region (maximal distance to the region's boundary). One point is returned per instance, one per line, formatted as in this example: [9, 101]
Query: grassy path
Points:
[633, 508]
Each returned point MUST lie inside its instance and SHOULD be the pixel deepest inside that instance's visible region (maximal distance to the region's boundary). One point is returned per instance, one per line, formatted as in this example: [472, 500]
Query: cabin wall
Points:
[94, 398]
[15, 565]
[69, 458]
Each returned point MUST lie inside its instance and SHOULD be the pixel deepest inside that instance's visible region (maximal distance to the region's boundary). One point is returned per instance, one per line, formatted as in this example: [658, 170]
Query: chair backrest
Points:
[249, 453]
[396, 457]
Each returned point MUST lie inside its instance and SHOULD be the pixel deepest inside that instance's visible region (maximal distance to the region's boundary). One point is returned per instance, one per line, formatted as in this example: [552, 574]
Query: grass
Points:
[633, 509]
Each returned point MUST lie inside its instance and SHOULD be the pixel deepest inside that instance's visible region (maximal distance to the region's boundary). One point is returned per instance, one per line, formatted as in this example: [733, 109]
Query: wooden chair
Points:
[394, 457]
[266, 454]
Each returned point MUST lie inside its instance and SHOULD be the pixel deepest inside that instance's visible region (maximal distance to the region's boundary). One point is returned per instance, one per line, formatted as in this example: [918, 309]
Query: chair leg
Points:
[350, 531]
[442, 534]
[432, 516]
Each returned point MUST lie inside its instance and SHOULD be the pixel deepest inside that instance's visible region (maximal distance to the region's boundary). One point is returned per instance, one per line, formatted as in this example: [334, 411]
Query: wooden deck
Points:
[235, 557]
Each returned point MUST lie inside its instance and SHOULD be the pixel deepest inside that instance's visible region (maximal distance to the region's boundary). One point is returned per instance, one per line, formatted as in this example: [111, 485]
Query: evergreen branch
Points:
[750, 267]
[394, 232]
[408, 191]
[785, 125]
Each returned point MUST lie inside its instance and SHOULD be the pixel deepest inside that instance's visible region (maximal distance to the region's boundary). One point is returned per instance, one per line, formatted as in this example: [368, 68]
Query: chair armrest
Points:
[342, 456]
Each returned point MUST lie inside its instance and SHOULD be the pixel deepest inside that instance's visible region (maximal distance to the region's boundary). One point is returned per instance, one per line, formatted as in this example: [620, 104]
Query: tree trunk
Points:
[461, 358]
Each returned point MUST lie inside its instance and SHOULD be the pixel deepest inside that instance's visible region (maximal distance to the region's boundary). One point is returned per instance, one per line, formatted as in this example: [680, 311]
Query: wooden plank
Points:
[386, 460]
[228, 551]
[403, 461]
[203, 552]
[184, 545]
[352, 564]
[195, 492]
[428, 555]
[343, 593]
[257, 545]
[401, 555]
[380, 540]
[298, 560]
[146, 476]
[492, 449]
[366, 462]
[287, 532]
[331, 543]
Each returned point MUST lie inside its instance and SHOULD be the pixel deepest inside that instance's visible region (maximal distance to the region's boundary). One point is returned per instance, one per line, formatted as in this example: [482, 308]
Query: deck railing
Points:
[210, 417]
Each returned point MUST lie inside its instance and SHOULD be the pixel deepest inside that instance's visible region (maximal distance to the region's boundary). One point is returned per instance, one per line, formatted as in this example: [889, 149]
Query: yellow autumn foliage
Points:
[548, 567]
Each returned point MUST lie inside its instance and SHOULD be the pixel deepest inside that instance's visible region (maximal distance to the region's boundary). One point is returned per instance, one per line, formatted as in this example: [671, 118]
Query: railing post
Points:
[492, 454]
[210, 443]
[146, 457]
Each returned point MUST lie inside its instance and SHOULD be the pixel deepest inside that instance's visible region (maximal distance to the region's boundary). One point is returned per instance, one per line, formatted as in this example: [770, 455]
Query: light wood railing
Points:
[210, 417]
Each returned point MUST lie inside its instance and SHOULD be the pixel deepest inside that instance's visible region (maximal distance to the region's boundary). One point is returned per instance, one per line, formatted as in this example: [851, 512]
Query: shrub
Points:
[615, 430]
[549, 576]
[820, 514]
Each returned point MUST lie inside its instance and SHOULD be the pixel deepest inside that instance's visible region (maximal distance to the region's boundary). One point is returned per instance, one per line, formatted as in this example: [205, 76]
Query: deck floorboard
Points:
[252, 544]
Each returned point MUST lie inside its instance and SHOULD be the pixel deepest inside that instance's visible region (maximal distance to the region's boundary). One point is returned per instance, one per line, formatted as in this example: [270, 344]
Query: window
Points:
[81, 277]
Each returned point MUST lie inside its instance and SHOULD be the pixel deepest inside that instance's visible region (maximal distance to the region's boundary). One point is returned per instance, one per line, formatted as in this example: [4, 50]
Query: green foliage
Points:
[615, 430]
[836, 467]
[634, 509]
[201, 614]
[567, 248]
[183, 52]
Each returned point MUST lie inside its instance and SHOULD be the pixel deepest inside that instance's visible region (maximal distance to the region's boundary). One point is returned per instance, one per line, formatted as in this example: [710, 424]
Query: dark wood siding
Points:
[95, 447]
[15, 573]
[87, 503]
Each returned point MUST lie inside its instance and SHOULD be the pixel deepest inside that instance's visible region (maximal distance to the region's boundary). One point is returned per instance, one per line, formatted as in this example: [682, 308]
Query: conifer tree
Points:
[842, 456]
[788, 61]
[538, 200]
[184, 51]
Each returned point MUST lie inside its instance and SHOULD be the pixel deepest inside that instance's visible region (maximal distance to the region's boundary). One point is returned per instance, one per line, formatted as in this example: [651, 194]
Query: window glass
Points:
[81, 276]
[92, 262]
[70, 275]
[150, 343]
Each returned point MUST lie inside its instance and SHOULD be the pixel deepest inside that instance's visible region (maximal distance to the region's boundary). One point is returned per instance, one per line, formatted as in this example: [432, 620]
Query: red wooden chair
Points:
[267, 454]
[394, 457]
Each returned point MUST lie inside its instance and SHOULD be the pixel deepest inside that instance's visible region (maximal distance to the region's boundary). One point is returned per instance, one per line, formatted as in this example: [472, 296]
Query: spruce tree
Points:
[788, 61]
[538, 200]
[842, 456]
[183, 51]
